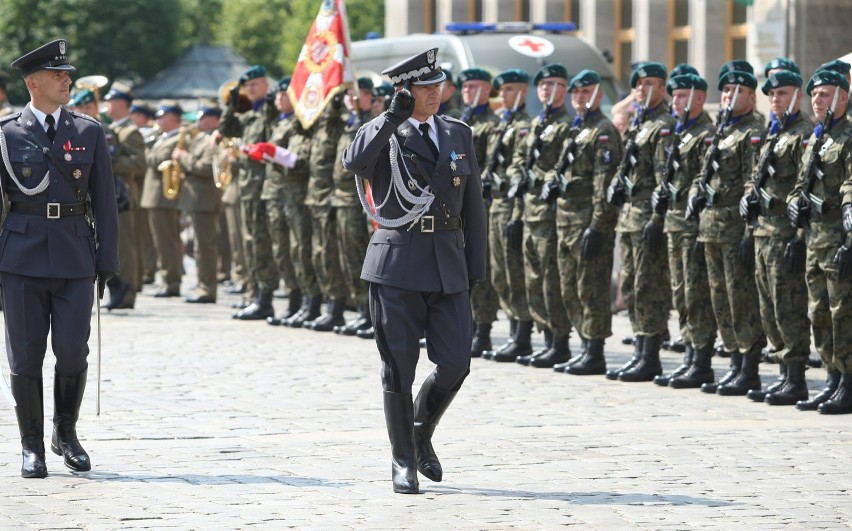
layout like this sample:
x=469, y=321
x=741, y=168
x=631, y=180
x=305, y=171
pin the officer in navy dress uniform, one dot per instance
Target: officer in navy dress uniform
x=56, y=173
x=425, y=258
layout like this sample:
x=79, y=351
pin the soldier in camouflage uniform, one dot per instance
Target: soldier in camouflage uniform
x=829, y=255
x=780, y=247
x=252, y=127
x=728, y=241
x=352, y=234
x=475, y=86
x=450, y=98
x=531, y=162
x=585, y=222
x=644, y=274
x=506, y=257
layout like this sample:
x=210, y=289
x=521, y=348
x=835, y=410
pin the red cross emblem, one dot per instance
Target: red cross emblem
x=531, y=45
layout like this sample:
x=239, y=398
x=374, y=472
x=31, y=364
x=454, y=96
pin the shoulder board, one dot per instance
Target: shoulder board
x=454, y=120
x=756, y=140
x=76, y=114
x=665, y=132
x=10, y=117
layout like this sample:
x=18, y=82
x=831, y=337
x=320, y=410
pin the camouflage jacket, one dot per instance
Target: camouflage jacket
x=692, y=145
x=288, y=133
x=327, y=133
x=501, y=144
x=250, y=127
x=345, y=192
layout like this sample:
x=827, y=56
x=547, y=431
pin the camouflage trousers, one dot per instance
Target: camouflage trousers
x=507, y=265
x=691, y=294
x=542, y=277
x=830, y=309
x=352, y=240
x=733, y=287
x=644, y=285
x=324, y=252
x=261, y=264
x=783, y=301
x=585, y=284
x=485, y=301
x=280, y=233
x=298, y=218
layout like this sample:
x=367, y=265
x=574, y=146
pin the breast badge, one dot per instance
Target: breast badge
x=77, y=173
x=456, y=181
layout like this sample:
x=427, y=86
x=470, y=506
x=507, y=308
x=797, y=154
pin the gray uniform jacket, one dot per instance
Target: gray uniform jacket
x=441, y=261
x=33, y=245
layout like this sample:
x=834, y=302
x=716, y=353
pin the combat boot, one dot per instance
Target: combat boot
x=735, y=365
x=548, y=344
x=676, y=345
x=840, y=402
x=795, y=387
x=259, y=309
x=688, y=355
x=67, y=397
x=333, y=317
x=481, y=340
x=759, y=395
x=584, y=351
x=359, y=323
x=560, y=353
x=698, y=374
x=429, y=407
x=294, y=301
x=513, y=331
x=399, y=418
x=121, y=294
x=29, y=409
x=592, y=362
x=832, y=380
x=648, y=365
x=748, y=377
x=638, y=343
x=308, y=313
x=521, y=346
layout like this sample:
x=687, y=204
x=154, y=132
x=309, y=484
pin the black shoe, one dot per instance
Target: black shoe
x=613, y=374
x=648, y=365
x=559, y=353
x=200, y=299
x=736, y=364
x=481, y=340
x=688, y=354
x=29, y=409
x=759, y=395
x=310, y=310
x=628, y=340
x=332, y=318
x=676, y=345
x=236, y=289
x=67, y=396
x=840, y=402
x=548, y=344
x=832, y=381
x=519, y=347
x=815, y=362
x=367, y=333
x=165, y=293
x=256, y=311
x=748, y=378
x=399, y=418
x=795, y=387
x=592, y=362
x=699, y=373
x=294, y=301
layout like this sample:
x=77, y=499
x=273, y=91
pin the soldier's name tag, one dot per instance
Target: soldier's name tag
x=583, y=134
x=686, y=138
x=779, y=145
x=828, y=143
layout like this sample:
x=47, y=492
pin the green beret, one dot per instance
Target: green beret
x=584, y=78
x=682, y=69
x=737, y=77
x=473, y=74
x=554, y=70
x=649, y=69
x=841, y=67
x=737, y=65
x=83, y=97
x=686, y=81
x=365, y=83
x=253, y=72
x=513, y=75
x=284, y=84
x=385, y=90
x=781, y=63
x=781, y=78
x=827, y=77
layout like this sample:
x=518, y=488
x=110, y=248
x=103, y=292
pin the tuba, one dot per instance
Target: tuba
x=172, y=174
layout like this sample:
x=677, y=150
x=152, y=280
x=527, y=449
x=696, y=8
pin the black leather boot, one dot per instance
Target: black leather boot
x=699, y=373
x=359, y=323
x=259, y=309
x=367, y=333
x=294, y=303
x=481, y=340
x=795, y=387
x=399, y=418
x=120, y=293
x=308, y=313
x=548, y=344
x=592, y=362
x=840, y=402
x=748, y=377
x=333, y=317
x=67, y=397
x=676, y=345
x=648, y=365
x=638, y=342
x=735, y=365
x=832, y=380
x=429, y=407
x=560, y=353
x=759, y=395
x=688, y=354
x=521, y=346
x=513, y=331
x=29, y=397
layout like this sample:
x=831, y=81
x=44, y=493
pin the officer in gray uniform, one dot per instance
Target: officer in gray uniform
x=59, y=199
x=425, y=258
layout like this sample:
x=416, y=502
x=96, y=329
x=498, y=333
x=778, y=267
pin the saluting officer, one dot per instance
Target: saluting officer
x=48, y=257
x=424, y=259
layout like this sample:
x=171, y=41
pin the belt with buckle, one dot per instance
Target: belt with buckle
x=49, y=210
x=431, y=224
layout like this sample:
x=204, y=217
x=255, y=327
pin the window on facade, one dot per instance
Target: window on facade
x=679, y=33
x=736, y=18
x=624, y=36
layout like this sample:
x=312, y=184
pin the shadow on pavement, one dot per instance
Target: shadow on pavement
x=199, y=479
x=588, y=498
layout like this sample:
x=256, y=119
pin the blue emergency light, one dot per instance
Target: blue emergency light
x=510, y=27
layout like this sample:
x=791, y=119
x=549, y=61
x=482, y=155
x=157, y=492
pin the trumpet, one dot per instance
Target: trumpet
x=226, y=153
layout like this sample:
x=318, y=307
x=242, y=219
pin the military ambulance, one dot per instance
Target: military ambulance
x=495, y=47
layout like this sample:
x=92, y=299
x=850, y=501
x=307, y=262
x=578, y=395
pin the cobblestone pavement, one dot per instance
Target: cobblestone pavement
x=212, y=423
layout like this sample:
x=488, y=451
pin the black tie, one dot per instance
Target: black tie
x=51, y=131
x=424, y=129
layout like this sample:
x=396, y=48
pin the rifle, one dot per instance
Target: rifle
x=812, y=172
x=529, y=179
x=468, y=111
x=617, y=194
x=711, y=165
x=760, y=200
x=668, y=191
x=567, y=157
x=490, y=177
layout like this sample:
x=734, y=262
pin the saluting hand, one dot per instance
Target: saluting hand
x=401, y=107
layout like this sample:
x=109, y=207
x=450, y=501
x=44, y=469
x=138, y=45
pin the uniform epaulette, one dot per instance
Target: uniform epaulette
x=9, y=117
x=76, y=114
x=454, y=120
